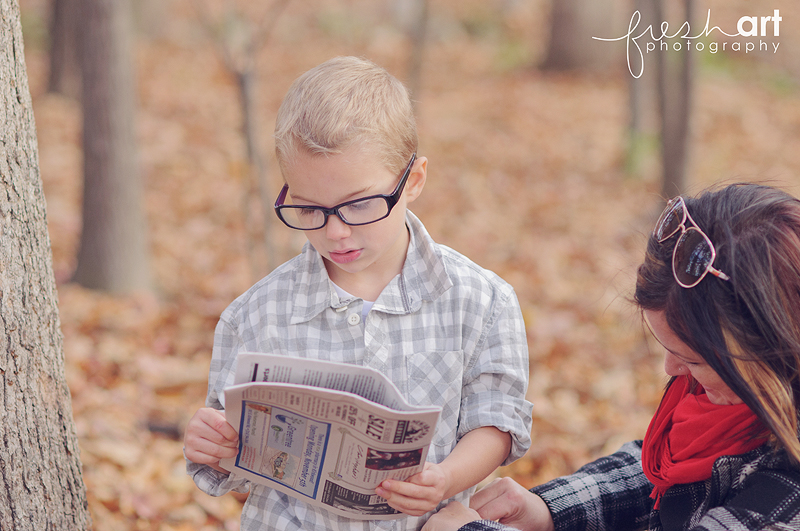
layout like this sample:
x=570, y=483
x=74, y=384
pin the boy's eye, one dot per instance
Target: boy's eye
x=306, y=212
x=361, y=205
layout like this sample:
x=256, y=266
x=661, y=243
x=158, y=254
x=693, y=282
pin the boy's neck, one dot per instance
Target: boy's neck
x=368, y=284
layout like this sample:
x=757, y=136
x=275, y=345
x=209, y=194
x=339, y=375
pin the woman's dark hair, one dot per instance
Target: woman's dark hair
x=747, y=329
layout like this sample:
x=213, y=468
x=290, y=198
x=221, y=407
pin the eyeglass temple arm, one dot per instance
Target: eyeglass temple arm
x=282, y=196
x=717, y=273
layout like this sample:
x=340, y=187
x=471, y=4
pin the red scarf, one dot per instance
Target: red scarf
x=688, y=433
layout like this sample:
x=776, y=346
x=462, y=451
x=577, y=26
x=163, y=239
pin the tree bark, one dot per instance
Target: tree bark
x=113, y=252
x=40, y=471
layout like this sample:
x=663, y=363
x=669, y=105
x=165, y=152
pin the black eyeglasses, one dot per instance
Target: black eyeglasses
x=361, y=211
x=694, y=253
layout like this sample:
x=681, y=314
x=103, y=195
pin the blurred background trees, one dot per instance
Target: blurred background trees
x=675, y=81
x=240, y=34
x=572, y=25
x=113, y=252
x=64, y=76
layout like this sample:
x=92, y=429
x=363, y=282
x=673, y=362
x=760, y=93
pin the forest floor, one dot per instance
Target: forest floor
x=528, y=176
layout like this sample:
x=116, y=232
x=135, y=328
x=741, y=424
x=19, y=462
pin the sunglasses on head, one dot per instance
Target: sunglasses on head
x=694, y=253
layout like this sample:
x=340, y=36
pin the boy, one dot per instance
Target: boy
x=371, y=288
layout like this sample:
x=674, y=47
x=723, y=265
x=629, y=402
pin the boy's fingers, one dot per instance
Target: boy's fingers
x=216, y=420
x=404, y=488
x=210, y=438
x=412, y=506
x=203, y=446
x=203, y=458
x=210, y=424
x=213, y=437
x=406, y=497
x=421, y=479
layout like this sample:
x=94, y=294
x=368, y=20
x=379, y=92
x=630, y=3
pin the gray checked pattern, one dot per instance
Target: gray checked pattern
x=445, y=331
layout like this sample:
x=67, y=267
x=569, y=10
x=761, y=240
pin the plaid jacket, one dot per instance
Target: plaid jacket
x=759, y=490
x=446, y=331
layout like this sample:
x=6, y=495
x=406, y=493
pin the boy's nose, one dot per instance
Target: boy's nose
x=336, y=229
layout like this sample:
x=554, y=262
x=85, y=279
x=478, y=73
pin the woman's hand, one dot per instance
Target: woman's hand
x=507, y=502
x=451, y=518
x=209, y=438
x=503, y=500
x=418, y=494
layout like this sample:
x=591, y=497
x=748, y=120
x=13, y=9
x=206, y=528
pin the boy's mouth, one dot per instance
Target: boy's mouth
x=344, y=257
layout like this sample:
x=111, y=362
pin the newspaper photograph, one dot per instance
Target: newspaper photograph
x=323, y=432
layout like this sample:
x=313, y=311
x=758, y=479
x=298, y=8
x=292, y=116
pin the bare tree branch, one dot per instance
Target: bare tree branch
x=238, y=44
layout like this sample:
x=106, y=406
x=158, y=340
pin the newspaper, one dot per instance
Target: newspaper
x=326, y=433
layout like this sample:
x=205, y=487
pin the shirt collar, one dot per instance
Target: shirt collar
x=424, y=277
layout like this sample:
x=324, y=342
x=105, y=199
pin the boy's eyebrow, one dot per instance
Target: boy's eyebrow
x=346, y=199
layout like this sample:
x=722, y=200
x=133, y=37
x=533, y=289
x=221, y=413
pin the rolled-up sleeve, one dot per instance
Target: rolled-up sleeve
x=226, y=345
x=496, y=380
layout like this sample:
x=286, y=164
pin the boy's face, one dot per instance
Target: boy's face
x=365, y=256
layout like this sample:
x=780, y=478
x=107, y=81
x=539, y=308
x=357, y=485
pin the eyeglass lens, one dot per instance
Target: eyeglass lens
x=692, y=257
x=670, y=221
x=355, y=213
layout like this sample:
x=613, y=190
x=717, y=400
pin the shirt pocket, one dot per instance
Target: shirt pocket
x=434, y=379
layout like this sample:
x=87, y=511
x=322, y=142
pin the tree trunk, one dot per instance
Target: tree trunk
x=573, y=23
x=64, y=77
x=642, y=98
x=676, y=82
x=258, y=177
x=113, y=252
x=41, y=486
x=419, y=40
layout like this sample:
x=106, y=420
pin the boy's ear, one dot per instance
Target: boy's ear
x=416, y=179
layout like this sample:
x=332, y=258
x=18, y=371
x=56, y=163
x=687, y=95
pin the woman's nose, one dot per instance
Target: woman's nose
x=673, y=366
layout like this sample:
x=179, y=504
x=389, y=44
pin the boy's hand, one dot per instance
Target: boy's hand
x=418, y=494
x=209, y=438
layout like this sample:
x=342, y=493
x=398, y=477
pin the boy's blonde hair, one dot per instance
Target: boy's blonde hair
x=342, y=102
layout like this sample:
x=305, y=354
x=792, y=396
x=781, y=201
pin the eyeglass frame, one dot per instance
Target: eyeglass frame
x=683, y=230
x=391, y=200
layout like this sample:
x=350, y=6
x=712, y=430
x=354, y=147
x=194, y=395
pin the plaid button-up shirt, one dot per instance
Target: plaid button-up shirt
x=445, y=331
x=756, y=491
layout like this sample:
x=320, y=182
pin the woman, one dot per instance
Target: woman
x=720, y=290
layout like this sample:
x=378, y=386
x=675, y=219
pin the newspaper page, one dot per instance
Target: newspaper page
x=326, y=433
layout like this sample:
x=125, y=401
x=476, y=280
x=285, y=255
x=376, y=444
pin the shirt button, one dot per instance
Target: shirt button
x=353, y=319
